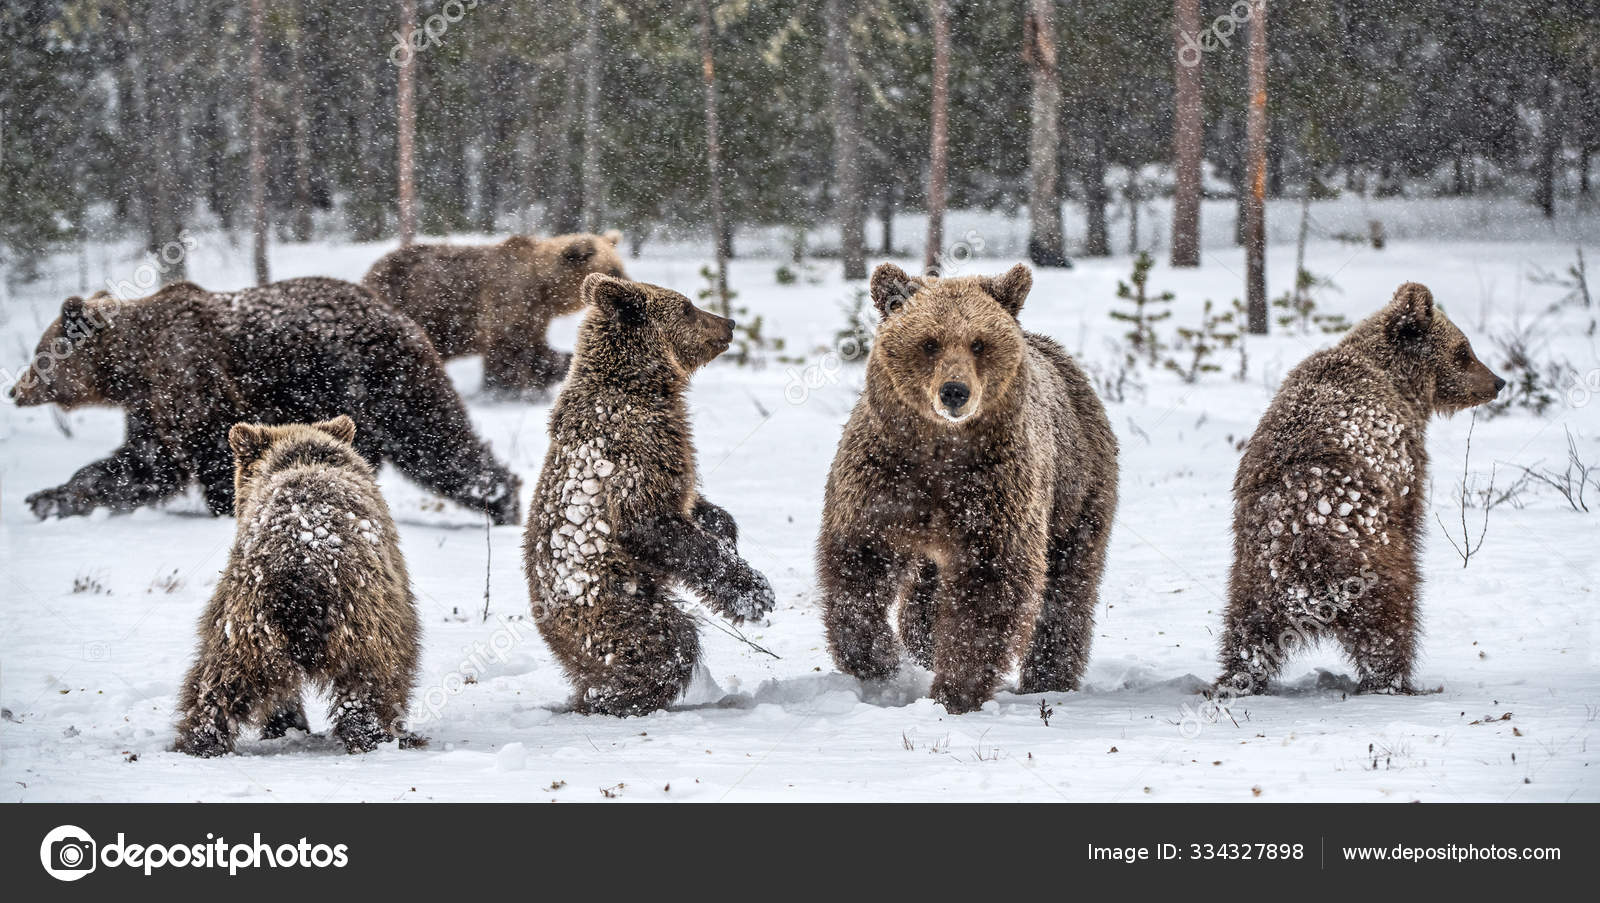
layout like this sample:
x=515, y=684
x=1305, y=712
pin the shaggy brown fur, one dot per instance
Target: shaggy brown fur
x=315, y=590
x=497, y=300
x=973, y=490
x=1328, y=505
x=617, y=519
x=186, y=364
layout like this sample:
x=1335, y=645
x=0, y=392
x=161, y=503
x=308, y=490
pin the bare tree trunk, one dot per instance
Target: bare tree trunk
x=258, y=154
x=850, y=200
x=939, y=150
x=1132, y=194
x=886, y=220
x=302, y=132
x=1256, y=145
x=1549, y=150
x=592, y=188
x=568, y=216
x=406, y=127
x=1045, y=238
x=1096, y=242
x=163, y=123
x=1188, y=137
x=708, y=73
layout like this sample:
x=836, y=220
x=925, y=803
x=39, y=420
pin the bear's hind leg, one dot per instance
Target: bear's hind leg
x=1059, y=651
x=1379, y=633
x=219, y=697
x=287, y=713
x=918, y=607
x=638, y=658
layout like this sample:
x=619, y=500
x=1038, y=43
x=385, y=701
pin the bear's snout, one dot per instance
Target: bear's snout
x=953, y=395
x=1499, y=383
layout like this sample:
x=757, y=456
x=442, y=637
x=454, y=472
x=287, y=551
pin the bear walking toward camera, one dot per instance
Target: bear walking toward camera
x=973, y=491
x=617, y=521
x=497, y=300
x=185, y=364
x=315, y=590
x=1328, y=506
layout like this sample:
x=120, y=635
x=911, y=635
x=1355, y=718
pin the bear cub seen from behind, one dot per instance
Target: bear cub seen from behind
x=1328, y=499
x=972, y=493
x=315, y=590
x=617, y=521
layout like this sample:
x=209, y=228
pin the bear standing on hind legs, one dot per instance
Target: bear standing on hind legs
x=617, y=522
x=1328, y=499
x=315, y=590
x=973, y=493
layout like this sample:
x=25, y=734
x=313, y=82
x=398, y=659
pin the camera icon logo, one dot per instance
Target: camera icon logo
x=67, y=853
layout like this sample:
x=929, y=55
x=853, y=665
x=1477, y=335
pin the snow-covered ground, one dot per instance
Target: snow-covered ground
x=98, y=613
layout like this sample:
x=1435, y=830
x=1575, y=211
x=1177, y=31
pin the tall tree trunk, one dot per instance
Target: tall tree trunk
x=164, y=123
x=1583, y=169
x=708, y=73
x=1549, y=150
x=301, y=224
x=886, y=219
x=1045, y=238
x=1132, y=192
x=850, y=200
x=1256, y=144
x=258, y=151
x=568, y=214
x=939, y=143
x=406, y=129
x=1188, y=138
x=592, y=189
x=1096, y=241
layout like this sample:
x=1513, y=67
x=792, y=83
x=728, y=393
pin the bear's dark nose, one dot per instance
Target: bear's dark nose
x=1498, y=385
x=953, y=395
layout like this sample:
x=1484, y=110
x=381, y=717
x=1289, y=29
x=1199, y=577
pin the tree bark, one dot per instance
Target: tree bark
x=592, y=188
x=1256, y=145
x=406, y=129
x=302, y=131
x=1188, y=137
x=850, y=200
x=568, y=216
x=163, y=72
x=1096, y=241
x=1549, y=150
x=939, y=149
x=1045, y=238
x=258, y=153
x=708, y=74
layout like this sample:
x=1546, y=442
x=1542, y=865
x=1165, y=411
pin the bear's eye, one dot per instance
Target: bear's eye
x=977, y=346
x=930, y=347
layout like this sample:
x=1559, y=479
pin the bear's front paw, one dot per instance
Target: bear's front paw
x=748, y=596
x=203, y=744
x=957, y=699
x=62, y=501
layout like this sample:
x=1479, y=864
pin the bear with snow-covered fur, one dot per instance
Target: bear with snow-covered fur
x=186, y=364
x=617, y=522
x=1329, y=497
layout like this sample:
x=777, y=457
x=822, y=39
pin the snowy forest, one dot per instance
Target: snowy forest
x=1167, y=207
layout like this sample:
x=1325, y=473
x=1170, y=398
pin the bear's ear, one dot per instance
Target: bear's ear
x=616, y=298
x=614, y=236
x=248, y=441
x=75, y=318
x=578, y=251
x=1411, y=311
x=891, y=288
x=341, y=428
x=1012, y=288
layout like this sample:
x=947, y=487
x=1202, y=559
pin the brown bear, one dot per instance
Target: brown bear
x=973, y=492
x=617, y=521
x=315, y=590
x=497, y=300
x=186, y=364
x=1328, y=499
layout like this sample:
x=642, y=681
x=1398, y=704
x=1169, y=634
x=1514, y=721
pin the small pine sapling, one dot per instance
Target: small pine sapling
x=1203, y=344
x=750, y=344
x=1300, y=313
x=1148, y=310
